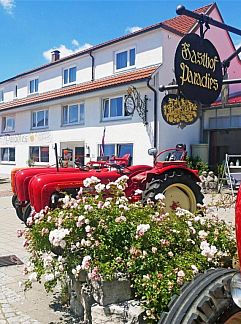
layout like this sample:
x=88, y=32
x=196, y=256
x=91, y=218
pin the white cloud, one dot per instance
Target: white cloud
x=7, y=5
x=64, y=51
x=132, y=29
x=75, y=42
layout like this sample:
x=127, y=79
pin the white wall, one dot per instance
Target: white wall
x=148, y=52
x=129, y=130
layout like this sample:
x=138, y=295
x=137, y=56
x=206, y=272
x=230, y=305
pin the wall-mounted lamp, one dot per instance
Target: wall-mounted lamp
x=87, y=154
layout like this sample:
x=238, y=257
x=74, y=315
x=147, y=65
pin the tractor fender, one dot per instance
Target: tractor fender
x=23, y=177
x=146, y=176
x=42, y=186
x=155, y=172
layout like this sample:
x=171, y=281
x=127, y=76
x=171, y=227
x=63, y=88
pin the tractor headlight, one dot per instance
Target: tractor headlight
x=235, y=287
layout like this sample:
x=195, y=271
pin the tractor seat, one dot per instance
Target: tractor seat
x=122, y=161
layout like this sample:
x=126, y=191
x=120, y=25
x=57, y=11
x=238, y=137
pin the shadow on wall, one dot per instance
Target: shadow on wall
x=150, y=133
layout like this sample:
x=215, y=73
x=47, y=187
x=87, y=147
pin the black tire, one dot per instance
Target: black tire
x=14, y=198
x=18, y=208
x=26, y=214
x=205, y=300
x=161, y=184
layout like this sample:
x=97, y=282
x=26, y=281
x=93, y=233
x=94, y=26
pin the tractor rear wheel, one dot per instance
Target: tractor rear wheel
x=180, y=190
x=205, y=300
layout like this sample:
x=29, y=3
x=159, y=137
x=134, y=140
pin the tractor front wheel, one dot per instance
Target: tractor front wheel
x=180, y=190
x=206, y=299
x=26, y=214
x=17, y=206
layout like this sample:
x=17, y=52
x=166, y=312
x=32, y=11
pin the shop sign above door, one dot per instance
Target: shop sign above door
x=176, y=110
x=198, y=69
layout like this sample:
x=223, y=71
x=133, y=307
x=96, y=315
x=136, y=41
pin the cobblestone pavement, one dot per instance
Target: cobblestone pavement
x=17, y=306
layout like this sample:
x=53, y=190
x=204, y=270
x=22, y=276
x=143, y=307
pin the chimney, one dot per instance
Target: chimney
x=55, y=55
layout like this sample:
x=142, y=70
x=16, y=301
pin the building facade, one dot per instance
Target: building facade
x=77, y=102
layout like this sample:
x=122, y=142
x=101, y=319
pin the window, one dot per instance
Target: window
x=1, y=96
x=73, y=114
x=33, y=86
x=39, y=153
x=16, y=91
x=79, y=153
x=8, y=154
x=119, y=150
x=8, y=124
x=40, y=118
x=109, y=150
x=223, y=122
x=125, y=59
x=69, y=75
x=113, y=108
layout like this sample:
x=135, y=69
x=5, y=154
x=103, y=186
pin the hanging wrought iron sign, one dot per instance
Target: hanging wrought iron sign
x=133, y=101
x=198, y=69
x=176, y=110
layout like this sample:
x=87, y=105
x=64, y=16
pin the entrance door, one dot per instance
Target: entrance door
x=80, y=155
x=222, y=142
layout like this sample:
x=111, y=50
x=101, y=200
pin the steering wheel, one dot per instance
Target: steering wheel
x=84, y=167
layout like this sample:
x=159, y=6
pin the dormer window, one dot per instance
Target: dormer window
x=1, y=96
x=16, y=91
x=33, y=86
x=125, y=59
x=69, y=76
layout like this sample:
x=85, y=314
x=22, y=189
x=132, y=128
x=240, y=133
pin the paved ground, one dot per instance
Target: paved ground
x=17, y=306
x=35, y=306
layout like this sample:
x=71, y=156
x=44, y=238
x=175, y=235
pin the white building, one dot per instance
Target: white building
x=71, y=100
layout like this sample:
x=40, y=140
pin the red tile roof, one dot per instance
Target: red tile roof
x=179, y=25
x=113, y=81
x=231, y=101
x=185, y=24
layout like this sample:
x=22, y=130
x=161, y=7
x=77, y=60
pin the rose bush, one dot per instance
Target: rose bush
x=104, y=234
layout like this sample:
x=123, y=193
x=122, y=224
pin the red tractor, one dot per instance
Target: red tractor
x=20, y=178
x=212, y=297
x=170, y=176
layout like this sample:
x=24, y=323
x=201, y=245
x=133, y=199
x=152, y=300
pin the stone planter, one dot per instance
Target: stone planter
x=111, y=292
x=129, y=312
x=108, y=302
x=80, y=296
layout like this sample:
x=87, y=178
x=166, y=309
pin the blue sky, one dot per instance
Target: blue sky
x=30, y=29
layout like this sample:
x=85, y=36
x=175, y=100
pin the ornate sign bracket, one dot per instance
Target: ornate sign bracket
x=134, y=101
